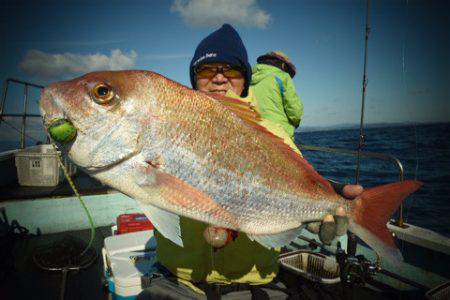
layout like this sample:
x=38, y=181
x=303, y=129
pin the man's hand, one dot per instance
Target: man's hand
x=351, y=191
x=333, y=226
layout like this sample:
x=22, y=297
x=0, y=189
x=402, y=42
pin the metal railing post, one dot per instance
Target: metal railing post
x=5, y=91
x=24, y=116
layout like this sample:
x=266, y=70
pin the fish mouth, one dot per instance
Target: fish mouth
x=50, y=109
x=58, y=126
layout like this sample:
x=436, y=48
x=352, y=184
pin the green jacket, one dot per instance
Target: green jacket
x=283, y=108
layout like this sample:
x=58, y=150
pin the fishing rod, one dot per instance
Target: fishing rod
x=351, y=245
x=363, y=98
x=350, y=260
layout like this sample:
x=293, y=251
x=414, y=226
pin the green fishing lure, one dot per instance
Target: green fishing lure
x=62, y=131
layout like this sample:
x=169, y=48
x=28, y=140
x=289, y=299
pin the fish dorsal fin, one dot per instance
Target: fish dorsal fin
x=243, y=110
x=250, y=116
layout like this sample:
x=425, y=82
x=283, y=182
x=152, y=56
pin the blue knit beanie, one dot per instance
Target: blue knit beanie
x=222, y=46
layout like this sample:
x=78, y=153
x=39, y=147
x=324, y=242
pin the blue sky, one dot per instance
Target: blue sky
x=408, y=64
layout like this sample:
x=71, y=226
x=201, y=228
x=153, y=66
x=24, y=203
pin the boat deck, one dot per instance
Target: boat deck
x=22, y=279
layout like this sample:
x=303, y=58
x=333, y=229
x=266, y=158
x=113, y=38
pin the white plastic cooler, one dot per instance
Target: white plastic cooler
x=38, y=166
x=129, y=259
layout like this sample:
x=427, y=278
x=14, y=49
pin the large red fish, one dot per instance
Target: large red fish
x=182, y=152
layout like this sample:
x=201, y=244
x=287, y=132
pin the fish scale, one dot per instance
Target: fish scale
x=252, y=209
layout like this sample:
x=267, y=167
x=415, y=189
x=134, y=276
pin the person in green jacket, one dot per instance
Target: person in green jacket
x=274, y=90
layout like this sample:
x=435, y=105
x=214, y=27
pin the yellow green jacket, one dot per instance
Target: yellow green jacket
x=241, y=261
x=276, y=97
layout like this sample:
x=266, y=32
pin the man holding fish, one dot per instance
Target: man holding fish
x=226, y=258
x=224, y=188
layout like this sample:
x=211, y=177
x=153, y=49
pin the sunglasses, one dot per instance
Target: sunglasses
x=208, y=71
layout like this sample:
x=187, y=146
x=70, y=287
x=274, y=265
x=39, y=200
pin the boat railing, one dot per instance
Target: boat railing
x=25, y=113
x=367, y=154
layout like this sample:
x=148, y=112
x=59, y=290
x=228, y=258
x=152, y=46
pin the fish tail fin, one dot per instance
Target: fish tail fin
x=372, y=210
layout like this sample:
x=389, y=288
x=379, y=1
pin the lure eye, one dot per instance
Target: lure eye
x=102, y=93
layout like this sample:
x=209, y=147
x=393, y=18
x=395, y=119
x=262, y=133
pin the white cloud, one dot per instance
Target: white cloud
x=55, y=66
x=166, y=56
x=73, y=43
x=217, y=12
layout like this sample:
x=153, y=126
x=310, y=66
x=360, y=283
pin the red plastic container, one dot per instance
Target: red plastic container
x=127, y=223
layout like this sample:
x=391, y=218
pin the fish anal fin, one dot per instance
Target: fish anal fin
x=277, y=240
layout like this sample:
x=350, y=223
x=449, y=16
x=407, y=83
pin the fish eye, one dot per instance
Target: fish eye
x=102, y=93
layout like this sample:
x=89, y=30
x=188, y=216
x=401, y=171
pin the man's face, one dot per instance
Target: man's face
x=218, y=78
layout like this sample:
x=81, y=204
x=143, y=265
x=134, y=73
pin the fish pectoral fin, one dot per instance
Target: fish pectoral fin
x=277, y=240
x=179, y=197
x=167, y=223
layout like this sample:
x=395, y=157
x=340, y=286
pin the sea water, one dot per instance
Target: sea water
x=424, y=151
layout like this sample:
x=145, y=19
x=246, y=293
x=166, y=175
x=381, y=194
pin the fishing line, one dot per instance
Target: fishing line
x=416, y=170
x=77, y=194
x=213, y=267
x=405, y=89
x=69, y=180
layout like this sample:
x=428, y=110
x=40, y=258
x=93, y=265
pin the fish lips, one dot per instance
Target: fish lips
x=51, y=112
x=50, y=109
